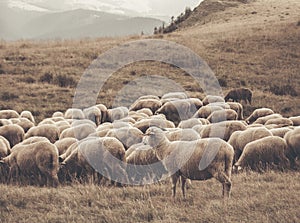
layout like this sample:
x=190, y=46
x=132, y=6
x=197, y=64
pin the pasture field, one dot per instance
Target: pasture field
x=267, y=197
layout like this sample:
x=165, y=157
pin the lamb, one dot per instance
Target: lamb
x=36, y=163
x=212, y=99
x=222, y=130
x=7, y=114
x=103, y=155
x=222, y=115
x=257, y=113
x=63, y=144
x=240, y=139
x=238, y=107
x=13, y=133
x=196, y=160
x=93, y=114
x=127, y=136
x=143, y=164
x=28, y=115
x=262, y=152
x=239, y=94
x=152, y=104
x=293, y=141
x=49, y=131
x=179, y=110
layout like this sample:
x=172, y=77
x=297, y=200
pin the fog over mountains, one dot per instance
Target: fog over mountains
x=43, y=19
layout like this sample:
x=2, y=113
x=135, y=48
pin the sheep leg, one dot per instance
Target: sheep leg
x=183, y=181
x=174, y=179
x=226, y=183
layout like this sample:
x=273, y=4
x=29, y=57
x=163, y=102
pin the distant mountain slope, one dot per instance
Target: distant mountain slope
x=16, y=24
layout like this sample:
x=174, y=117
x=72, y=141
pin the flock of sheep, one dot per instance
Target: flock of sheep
x=172, y=135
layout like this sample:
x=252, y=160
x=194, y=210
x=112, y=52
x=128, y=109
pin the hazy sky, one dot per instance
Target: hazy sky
x=147, y=7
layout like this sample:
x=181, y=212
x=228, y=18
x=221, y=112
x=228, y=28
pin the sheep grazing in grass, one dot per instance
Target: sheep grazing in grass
x=208, y=99
x=257, y=113
x=222, y=115
x=7, y=114
x=118, y=113
x=205, y=111
x=239, y=94
x=197, y=160
x=152, y=104
x=143, y=164
x=280, y=131
x=238, y=107
x=222, y=130
x=177, y=95
x=93, y=114
x=28, y=115
x=127, y=136
x=295, y=120
x=74, y=113
x=49, y=131
x=13, y=133
x=190, y=123
x=78, y=131
x=293, y=141
x=63, y=144
x=58, y=114
x=35, y=163
x=262, y=153
x=279, y=122
x=144, y=124
x=240, y=139
x=23, y=122
x=182, y=135
x=179, y=110
x=4, y=151
x=102, y=155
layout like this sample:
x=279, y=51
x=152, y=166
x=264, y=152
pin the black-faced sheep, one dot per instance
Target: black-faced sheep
x=222, y=130
x=240, y=139
x=257, y=113
x=13, y=133
x=262, y=152
x=239, y=94
x=197, y=160
x=51, y=132
x=34, y=163
x=222, y=115
x=293, y=141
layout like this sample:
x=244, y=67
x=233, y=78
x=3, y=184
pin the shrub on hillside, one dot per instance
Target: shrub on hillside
x=64, y=81
x=7, y=96
x=287, y=89
x=46, y=78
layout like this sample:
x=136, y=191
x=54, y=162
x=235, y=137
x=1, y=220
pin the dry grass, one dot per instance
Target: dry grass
x=268, y=197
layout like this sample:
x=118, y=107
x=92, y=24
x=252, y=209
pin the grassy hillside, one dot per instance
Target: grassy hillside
x=268, y=197
x=250, y=44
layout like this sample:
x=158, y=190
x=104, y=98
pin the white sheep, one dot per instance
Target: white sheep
x=262, y=152
x=257, y=113
x=238, y=107
x=222, y=115
x=182, y=135
x=13, y=133
x=295, y=120
x=208, y=99
x=49, y=131
x=78, y=131
x=74, y=113
x=293, y=141
x=152, y=104
x=196, y=160
x=28, y=115
x=239, y=139
x=7, y=114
